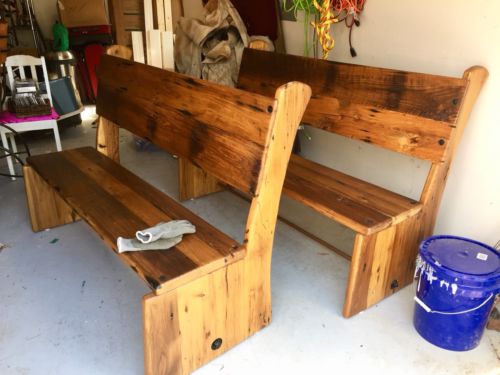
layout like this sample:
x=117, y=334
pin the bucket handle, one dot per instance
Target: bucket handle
x=429, y=310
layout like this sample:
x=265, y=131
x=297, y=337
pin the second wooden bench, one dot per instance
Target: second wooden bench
x=415, y=114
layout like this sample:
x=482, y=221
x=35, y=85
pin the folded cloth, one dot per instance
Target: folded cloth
x=170, y=229
x=127, y=244
x=162, y=236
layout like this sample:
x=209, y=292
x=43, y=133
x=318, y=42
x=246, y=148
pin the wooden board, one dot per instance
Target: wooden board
x=126, y=16
x=153, y=48
x=359, y=205
x=191, y=118
x=45, y=207
x=115, y=202
x=167, y=50
x=180, y=327
x=382, y=264
x=108, y=138
x=194, y=182
x=411, y=113
x=148, y=15
x=138, y=47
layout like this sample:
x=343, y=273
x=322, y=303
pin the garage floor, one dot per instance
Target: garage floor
x=69, y=306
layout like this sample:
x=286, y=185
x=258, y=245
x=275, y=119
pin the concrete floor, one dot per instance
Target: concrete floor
x=69, y=306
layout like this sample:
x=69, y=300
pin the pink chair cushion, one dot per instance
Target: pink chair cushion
x=10, y=118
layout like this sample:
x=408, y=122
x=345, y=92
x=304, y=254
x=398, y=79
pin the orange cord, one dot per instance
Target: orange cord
x=327, y=17
x=349, y=6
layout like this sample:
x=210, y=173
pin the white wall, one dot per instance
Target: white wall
x=440, y=37
x=46, y=15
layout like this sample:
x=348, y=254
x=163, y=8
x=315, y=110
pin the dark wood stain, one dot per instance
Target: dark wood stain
x=169, y=116
x=80, y=174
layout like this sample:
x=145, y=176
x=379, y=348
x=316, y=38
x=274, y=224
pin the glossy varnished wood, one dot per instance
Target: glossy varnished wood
x=410, y=113
x=45, y=206
x=219, y=129
x=209, y=292
x=416, y=114
x=195, y=182
x=357, y=204
x=115, y=202
x=108, y=139
x=233, y=302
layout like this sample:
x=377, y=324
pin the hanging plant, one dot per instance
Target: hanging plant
x=306, y=6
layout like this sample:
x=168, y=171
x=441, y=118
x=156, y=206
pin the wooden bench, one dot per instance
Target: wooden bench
x=419, y=115
x=209, y=292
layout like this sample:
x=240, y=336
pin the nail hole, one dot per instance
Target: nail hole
x=217, y=344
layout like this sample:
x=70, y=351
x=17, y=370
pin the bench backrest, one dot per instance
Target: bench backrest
x=242, y=138
x=221, y=130
x=410, y=113
x=416, y=114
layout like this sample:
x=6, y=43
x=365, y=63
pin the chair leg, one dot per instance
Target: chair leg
x=13, y=144
x=56, y=137
x=46, y=208
x=5, y=145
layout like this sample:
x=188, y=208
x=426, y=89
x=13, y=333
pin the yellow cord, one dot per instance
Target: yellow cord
x=327, y=18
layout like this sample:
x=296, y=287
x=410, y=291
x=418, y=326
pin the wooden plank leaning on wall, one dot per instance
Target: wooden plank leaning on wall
x=128, y=15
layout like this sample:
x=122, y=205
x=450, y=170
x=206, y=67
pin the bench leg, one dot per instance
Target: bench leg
x=46, y=208
x=382, y=263
x=194, y=182
x=187, y=327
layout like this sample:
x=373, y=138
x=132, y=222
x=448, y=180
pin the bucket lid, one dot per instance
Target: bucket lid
x=462, y=258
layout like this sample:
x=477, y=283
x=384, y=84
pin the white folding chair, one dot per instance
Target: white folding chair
x=18, y=65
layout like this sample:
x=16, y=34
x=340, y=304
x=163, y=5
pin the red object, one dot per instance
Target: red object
x=80, y=36
x=259, y=17
x=93, y=53
x=10, y=118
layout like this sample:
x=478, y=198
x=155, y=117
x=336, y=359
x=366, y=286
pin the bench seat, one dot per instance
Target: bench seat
x=359, y=205
x=115, y=202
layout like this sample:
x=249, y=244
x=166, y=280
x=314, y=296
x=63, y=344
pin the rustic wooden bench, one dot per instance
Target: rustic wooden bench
x=419, y=115
x=209, y=292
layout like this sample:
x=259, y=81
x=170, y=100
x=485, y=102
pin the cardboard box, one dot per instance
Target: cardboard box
x=78, y=13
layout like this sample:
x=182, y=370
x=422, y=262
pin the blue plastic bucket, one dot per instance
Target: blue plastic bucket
x=457, y=282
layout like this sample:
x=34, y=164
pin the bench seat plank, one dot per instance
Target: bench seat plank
x=115, y=202
x=359, y=205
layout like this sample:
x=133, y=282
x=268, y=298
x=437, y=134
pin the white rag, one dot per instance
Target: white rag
x=162, y=236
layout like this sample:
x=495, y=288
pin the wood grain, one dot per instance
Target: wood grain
x=420, y=115
x=108, y=139
x=126, y=16
x=436, y=180
x=359, y=205
x=45, y=207
x=292, y=100
x=219, y=129
x=115, y=202
x=162, y=336
x=208, y=288
x=233, y=302
x=382, y=263
x=195, y=182
x=181, y=326
x=411, y=113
